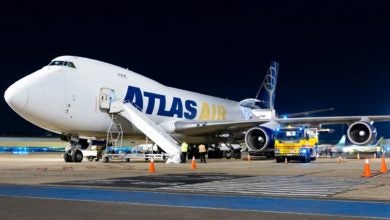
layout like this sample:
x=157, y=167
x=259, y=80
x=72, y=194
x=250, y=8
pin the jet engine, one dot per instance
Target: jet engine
x=259, y=138
x=361, y=133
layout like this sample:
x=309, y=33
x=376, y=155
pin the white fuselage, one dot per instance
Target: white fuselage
x=66, y=100
x=361, y=149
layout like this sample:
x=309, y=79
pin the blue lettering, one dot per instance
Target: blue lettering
x=134, y=96
x=151, y=100
x=161, y=108
x=191, y=110
x=177, y=107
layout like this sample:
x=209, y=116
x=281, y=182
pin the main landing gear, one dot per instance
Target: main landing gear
x=73, y=152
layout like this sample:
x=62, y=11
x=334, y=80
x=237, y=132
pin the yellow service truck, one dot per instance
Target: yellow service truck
x=296, y=143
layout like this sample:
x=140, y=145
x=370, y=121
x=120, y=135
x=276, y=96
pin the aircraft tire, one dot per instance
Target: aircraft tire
x=237, y=154
x=67, y=157
x=77, y=156
x=228, y=154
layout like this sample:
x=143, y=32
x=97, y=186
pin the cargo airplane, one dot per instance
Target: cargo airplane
x=84, y=99
x=345, y=147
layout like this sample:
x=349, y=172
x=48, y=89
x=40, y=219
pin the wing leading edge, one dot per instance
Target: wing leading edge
x=188, y=127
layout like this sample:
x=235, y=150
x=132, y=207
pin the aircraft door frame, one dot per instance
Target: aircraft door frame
x=106, y=96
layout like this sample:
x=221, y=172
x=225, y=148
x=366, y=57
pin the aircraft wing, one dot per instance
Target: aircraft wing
x=365, y=150
x=206, y=127
x=190, y=127
x=332, y=119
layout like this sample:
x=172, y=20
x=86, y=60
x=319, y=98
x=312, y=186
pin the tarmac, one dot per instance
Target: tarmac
x=230, y=189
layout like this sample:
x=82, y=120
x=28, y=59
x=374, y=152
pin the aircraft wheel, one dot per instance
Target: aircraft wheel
x=67, y=157
x=90, y=158
x=228, y=154
x=237, y=154
x=77, y=156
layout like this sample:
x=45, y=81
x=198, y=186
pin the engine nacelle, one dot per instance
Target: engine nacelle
x=361, y=133
x=259, y=138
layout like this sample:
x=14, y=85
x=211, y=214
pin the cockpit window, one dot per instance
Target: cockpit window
x=62, y=63
x=70, y=64
x=56, y=63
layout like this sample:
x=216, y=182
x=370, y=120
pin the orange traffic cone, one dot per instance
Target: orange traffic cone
x=366, y=171
x=383, y=165
x=249, y=157
x=193, y=164
x=339, y=159
x=358, y=156
x=151, y=166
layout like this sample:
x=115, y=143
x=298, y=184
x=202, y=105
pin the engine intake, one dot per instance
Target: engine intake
x=258, y=139
x=361, y=133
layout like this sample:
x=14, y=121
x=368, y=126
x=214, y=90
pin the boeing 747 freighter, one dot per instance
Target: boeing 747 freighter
x=83, y=99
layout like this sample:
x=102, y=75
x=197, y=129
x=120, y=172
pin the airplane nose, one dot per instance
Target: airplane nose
x=38, y=97
x=16, y=96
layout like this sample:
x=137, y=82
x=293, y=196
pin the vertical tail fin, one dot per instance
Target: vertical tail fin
x=342, y=141
x=380, y=142
x=266, y=93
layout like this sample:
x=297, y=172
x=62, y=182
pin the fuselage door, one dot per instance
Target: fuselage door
x=106, y=96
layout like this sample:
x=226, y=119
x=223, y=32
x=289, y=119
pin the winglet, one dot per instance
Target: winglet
x=266, y=93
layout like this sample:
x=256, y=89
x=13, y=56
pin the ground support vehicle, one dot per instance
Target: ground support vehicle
x=296, y=143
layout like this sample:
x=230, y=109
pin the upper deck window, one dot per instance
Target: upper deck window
x=62, y=63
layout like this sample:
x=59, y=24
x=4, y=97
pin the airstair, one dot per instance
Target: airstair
x=149, y=128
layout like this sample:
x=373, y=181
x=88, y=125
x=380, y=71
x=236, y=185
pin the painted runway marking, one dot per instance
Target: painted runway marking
x=262, y=204
x=273, y=186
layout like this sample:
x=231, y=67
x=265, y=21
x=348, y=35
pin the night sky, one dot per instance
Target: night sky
x=330, y=55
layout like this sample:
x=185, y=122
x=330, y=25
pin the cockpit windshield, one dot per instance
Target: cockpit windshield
x=62, y=63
